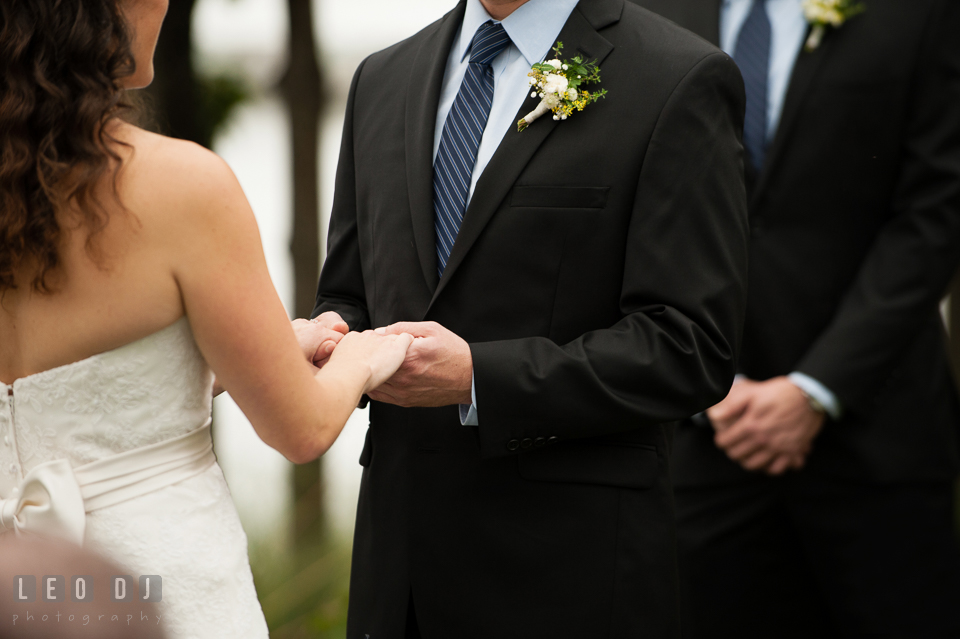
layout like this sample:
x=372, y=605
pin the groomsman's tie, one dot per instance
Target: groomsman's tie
x=453, y=168
x=752, y=55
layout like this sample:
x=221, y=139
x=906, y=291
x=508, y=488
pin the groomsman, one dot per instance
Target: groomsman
x=820, y=501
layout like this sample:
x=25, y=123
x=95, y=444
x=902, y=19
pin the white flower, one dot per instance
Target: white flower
x=556, y=117
x=533, y=95
x=533, y=81
x=556, y=64
x=571, y=94
x=565, y=67
x=552, y=100
x=555, y=83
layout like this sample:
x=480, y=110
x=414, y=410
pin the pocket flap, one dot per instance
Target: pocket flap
x=622, y=466
x=560, y=197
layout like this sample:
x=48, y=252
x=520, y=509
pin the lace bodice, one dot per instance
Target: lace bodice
x=141, y=393
x=147, y=392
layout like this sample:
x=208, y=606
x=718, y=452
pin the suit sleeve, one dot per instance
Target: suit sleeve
x=682, y=300
x=341, y=288
x=907, y=270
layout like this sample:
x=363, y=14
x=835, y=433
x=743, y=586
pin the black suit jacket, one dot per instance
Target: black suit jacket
x=599, y=280
x=855, y=233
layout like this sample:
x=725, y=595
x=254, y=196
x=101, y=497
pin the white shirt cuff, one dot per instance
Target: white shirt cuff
x=819, y=392
x=468, y=414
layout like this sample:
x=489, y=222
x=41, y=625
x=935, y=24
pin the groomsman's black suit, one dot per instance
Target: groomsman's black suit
x=855, y=234
x=599, y=280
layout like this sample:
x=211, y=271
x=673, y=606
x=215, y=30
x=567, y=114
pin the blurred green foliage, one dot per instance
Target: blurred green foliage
x=219, y=97
x=304, y=592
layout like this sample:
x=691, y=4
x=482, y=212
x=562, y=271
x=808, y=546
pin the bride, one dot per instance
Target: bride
x=131, y=271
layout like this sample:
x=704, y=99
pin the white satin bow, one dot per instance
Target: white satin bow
x=47, y=502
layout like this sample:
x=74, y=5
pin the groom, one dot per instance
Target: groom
x=576, y=288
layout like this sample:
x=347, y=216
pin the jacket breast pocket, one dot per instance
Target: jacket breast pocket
x=619, y=465
x=559, y=197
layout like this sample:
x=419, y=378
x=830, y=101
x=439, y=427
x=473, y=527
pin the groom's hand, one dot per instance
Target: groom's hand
x=438, y=369
x=766, y=426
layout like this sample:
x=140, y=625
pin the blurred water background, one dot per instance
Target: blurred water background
x=302, y=579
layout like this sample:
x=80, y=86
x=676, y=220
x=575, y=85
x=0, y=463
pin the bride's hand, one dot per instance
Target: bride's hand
x=382, y=353
x=317, y=340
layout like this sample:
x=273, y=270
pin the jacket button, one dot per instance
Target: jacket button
x=539, y=442
x=526, y=443
x=513, y=444
x=552, y=440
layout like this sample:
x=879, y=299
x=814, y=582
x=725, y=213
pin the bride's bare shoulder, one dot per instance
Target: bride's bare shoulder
x=175, y=179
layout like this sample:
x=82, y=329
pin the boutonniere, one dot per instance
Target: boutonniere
x=558, y=85
x=827, y=13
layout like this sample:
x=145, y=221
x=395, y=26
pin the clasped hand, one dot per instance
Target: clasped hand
x=319, y=337
x=766, y=426
x=437, y=369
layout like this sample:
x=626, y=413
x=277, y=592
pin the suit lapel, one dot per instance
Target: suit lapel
x=805, y=71
x=517, y=149
x=423, y=100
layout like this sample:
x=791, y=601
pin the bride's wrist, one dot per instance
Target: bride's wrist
x=356, y=375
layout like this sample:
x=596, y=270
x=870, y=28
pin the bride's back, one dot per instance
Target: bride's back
x=116, y=285
x=93, y=211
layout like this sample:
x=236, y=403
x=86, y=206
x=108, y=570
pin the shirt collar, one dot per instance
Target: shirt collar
x=533, y=27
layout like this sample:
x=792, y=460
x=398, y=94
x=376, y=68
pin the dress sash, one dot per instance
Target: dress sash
x=53, y=499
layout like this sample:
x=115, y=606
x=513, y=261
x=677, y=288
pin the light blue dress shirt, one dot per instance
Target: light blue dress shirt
x=533, y=29
x=789, y=30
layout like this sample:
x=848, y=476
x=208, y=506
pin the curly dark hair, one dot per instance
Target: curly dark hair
x=61, y=66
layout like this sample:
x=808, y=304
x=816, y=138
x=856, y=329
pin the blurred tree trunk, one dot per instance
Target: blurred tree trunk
x=953, y=326
x=302, y=87
x=181, y=105
x=953, y=330
x=176, y=93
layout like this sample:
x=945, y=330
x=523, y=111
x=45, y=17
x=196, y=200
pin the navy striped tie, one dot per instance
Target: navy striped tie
x=752, y=55
x=453, y=168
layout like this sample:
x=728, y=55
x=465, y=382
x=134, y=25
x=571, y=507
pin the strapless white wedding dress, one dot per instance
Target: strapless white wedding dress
x=130, y=429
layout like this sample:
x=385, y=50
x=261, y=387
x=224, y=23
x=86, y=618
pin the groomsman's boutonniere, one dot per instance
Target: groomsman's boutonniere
x=557, y=82
x=828, y=13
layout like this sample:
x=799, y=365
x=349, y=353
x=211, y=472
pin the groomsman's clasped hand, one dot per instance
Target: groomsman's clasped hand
x=766, y=426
